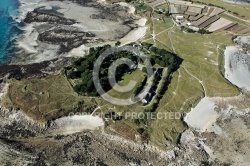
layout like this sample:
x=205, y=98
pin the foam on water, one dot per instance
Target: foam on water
x=8, y=27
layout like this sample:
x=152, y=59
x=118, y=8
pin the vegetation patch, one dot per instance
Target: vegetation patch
x=141, y=7
x=81, y=71
x=47, y=98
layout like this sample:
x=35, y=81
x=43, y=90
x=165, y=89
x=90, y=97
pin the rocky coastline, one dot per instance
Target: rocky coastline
x=33, y=143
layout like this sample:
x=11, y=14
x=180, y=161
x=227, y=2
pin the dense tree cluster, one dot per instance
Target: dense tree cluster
x=186, y=29
x=82, y=70
x=162, y=57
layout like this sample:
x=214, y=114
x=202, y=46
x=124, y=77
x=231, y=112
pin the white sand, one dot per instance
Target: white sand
x=203, y=116
x=105, y=29
x=141, y=21
x=237, y=67
x=36, y=51
x=80, y=51
x=134, y=35
x=77, y=123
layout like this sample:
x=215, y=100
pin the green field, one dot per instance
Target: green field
x=136, y=76
x=47, y=98
x=202, y=65
x=200, y=75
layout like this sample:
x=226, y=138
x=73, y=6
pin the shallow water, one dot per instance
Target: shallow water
x=8, y=27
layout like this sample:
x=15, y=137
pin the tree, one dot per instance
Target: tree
x=203, y=31
x=118, y=43
x=144, y=69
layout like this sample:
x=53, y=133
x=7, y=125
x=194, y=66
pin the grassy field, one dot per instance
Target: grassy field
x=162, y=24
x=202, y=60
x=201, y=74
x=242, y=10
x=47, y=98
x=136, y=76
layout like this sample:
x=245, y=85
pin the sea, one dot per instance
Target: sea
x=9, y=28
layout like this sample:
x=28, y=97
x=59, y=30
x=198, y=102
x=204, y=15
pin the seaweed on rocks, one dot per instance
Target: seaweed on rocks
x=67, y=39
x=38, y=16
x=19, y=72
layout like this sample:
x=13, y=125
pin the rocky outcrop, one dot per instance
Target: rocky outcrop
x=44, y=68
x=36, y=16
x=67, y=39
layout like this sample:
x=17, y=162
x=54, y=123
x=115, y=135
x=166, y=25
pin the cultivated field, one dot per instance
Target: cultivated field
x=222, y=22
x=241, y=9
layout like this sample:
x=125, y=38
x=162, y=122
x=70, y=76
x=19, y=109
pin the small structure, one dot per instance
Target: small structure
x=179, y=17
x=148, y=96
x=133, y=66
x=147, y=99
x=160, y=11
x=157, y=72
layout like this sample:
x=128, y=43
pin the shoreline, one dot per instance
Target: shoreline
x=29, y=44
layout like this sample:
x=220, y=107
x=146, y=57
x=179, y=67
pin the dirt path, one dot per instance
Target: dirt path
x=173, y=48
x=200, y=81
x=169, y=36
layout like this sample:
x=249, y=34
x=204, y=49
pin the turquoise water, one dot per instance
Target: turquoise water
x=8, y=28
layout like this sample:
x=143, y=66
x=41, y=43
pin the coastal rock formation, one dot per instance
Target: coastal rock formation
x=237, y=63
x=67, y=39
x=42, y=69
x=54, y=28
x=37, y=16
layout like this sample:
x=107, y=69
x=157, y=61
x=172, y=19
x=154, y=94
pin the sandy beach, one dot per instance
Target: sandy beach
x=87, y=20
x=76, y=123
x=203, y=116
x=134, y=35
